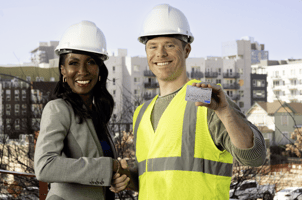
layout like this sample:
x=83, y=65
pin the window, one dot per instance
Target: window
x=8, y=95
x=23, y=95
x=293, y=92
x=230, y=93
x=24, y=123
x=292, y=72
x=277, y=93
x=113, y=69
x=218, y=81
x=219, y=71
x=136, y=79
x=17, y=109
x=17, y=124
x=8, y=121
x=113, y=81
x=275, y=83
x=135, y=91
x=284, y=120
x=241, y=104
x=28, y=78
x=114, y=92
x=293, y=82
x=52, y=79
x=136, y=68
x=17, y=96
x=37, y=78
x=261, y=83
x=283, y=72
x=7, y=112
x=241, y=93
x=259, y=93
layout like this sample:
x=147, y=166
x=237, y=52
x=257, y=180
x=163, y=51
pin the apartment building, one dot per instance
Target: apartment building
x=44, y=52
x=283, y=78
x=127, y=83
x=15, y=108
x=22, y=105
x=236, y=71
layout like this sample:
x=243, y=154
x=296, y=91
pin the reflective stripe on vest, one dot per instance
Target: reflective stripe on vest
x=186, y=162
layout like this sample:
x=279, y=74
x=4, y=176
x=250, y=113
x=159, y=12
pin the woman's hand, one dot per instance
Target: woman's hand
x=119, y=183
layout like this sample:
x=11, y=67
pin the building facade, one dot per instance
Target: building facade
x=283, y=78
x=258, y=88
x=44, y=52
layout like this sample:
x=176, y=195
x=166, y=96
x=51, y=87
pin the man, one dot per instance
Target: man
x=185, y=150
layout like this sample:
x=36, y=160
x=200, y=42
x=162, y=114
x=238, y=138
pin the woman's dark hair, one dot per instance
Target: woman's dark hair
x=102, y=98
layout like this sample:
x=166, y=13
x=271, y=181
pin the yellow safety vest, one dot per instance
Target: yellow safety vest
x=179, y=160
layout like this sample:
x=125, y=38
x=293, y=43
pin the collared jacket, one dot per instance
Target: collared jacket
x=70, y=157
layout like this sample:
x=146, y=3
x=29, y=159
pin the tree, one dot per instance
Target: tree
x=297, y=146
x=120, y=128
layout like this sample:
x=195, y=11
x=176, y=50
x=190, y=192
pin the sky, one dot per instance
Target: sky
x=276, y=24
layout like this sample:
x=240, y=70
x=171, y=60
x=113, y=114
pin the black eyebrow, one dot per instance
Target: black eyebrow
x=73, y=58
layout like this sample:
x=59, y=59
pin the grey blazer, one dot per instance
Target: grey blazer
x=70, y=157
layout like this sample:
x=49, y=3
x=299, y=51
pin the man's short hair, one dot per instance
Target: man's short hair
x=184, y=39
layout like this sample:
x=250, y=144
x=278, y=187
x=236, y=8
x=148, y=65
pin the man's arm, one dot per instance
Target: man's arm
x=253, y=156
x=232, y=131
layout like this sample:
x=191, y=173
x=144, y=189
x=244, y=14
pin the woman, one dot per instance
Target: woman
x=74, y=150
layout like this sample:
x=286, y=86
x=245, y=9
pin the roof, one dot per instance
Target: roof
x=295, y=108
x=270, y=107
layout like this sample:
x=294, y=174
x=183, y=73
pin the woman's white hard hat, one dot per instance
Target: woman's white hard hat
x=165, y=20
x=83, y=36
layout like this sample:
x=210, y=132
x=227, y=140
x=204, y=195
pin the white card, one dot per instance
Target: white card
x=198, y=94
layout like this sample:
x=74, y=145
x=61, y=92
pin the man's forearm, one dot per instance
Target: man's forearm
x=239, y=131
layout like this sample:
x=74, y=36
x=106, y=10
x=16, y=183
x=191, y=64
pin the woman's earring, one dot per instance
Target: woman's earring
x=64, y=79
x=99, y=78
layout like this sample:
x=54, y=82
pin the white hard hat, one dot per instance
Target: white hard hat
x=83, y=36
x=165, y=20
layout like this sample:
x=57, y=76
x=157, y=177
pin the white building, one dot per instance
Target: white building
x=284, y=79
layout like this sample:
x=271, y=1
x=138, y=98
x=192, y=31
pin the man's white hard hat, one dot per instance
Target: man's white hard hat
x=165, y=20
x=83, y=36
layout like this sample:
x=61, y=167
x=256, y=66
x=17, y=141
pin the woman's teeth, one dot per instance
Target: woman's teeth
x=83, y=82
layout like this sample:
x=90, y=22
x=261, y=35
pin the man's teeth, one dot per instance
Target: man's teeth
x=83, y=82
x=165, y=63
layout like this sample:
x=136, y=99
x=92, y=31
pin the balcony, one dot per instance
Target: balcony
x=231, y=86
x=151, y=85
x=231, y=75
x=196, y=75
x=148, y=73
x=211, y=74
x=148, y=96
x=235, y=97
x=276, y=77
